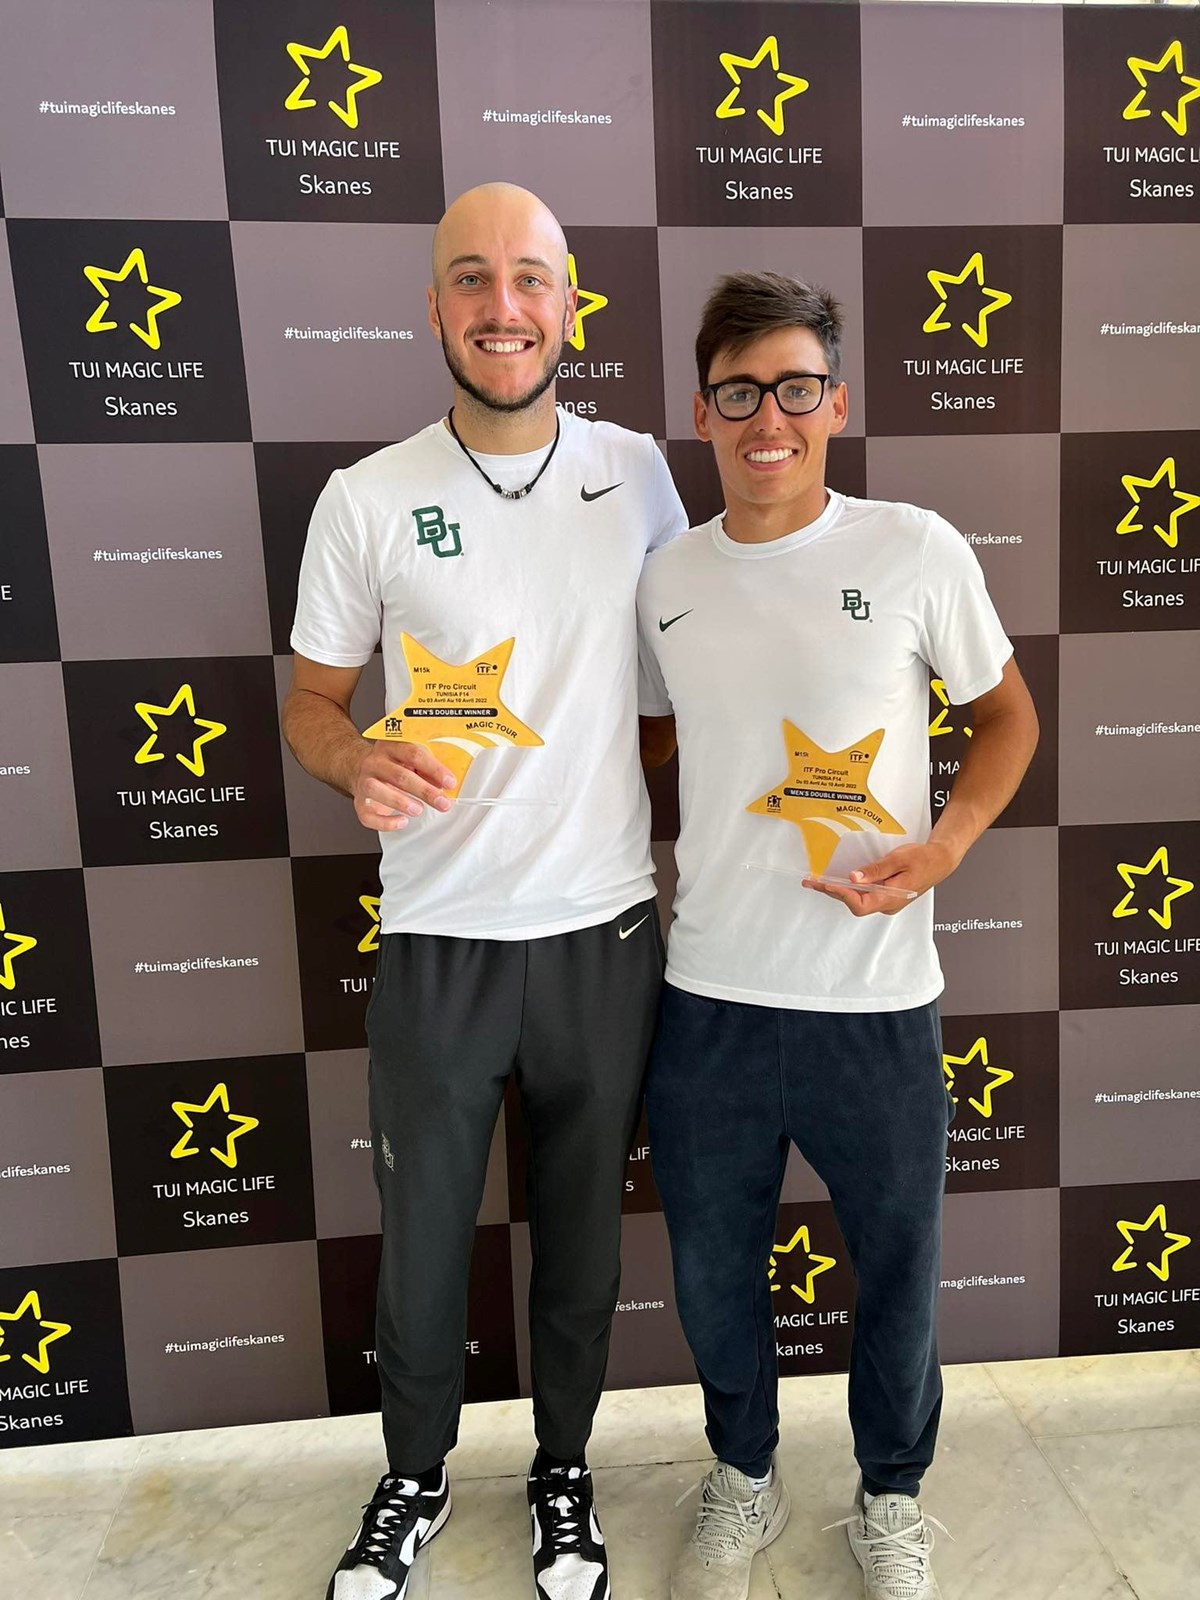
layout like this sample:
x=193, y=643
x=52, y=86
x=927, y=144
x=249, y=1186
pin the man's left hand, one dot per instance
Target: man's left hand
x=915, y=867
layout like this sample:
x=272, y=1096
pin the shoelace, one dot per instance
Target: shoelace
x=566, y=1504
x=723, y=1523
x=392, y=1504
x=900, y=1556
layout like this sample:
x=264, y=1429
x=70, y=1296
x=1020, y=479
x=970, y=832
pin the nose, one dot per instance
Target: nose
x=770, y=413
x=502, y=303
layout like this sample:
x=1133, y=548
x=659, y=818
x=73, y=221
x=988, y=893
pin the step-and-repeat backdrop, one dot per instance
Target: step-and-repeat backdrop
x=216, y=232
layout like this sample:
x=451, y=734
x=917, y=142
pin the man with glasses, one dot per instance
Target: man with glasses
x=792, y=638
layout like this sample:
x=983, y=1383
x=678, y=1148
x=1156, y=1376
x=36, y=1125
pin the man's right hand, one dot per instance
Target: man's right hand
x=397, y=780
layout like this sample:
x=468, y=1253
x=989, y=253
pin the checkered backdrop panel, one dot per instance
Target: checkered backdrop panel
x=213, y=256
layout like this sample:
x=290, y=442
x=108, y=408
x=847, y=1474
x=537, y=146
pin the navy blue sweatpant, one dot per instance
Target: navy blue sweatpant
x=863, y=1096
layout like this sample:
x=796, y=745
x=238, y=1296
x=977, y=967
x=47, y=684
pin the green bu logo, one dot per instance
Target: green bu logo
x=853, y=602
x=433, y=529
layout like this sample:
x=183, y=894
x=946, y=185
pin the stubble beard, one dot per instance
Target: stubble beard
x=493, y=402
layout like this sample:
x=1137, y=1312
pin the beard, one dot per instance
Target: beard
x=492, y=401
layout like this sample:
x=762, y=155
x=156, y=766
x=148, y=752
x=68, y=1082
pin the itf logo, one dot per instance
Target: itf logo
x=768, y=52
x=1162, y=1243
x=238, y=1125
x=1180, y=89
x=40, y=1332
x=148, y=713
x=810, y=1265
x=165, y=299
x=996, y=300
x=18, y=945
x=365, y=77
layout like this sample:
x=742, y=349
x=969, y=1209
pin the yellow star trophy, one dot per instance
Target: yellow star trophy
x=455, y=710
x=826, y=795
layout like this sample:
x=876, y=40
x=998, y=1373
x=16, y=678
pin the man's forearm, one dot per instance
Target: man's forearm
x=323, y=739
x=991, y=771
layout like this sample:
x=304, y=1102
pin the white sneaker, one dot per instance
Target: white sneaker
x=892, y=1543
x=734, y=1523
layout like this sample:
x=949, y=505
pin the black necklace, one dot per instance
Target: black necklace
x=506, y=494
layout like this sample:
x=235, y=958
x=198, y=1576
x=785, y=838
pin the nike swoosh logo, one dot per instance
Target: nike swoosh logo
x=584, y=495
x=625, y=932
x=663, y=626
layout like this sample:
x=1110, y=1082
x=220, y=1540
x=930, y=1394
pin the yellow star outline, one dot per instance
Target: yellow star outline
x=32, y=1306
x=446, y=706
x=940, y=724
x=1129, y=872
x=1172, y=56
x=792, y=86
x=219, y=1096
x=370, y=939
x=996, y=1075
x=974, y=269
x=825, y=793
x=302, y=54
x=1187, y=502
x=1127, y=1229
x=819, y=1265
x=22, y=943
x=147, y=712
x=134, y=262
x=586, y=304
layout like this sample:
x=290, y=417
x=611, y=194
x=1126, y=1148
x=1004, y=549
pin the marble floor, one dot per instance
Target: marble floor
x=1059, y=1480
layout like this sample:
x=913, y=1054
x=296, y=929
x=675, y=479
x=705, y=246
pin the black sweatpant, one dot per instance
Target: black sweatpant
x=572, y=1016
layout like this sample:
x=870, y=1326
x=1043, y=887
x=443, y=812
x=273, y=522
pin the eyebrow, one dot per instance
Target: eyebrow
x=748, y=377
x=481, y=261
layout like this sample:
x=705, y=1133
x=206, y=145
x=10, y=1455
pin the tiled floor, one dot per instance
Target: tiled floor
x=1059, y=1480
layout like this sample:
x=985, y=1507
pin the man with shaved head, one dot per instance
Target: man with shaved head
x=496, y=554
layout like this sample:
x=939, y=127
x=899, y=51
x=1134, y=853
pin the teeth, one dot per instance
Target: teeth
x=503, y=347
x=767, y=455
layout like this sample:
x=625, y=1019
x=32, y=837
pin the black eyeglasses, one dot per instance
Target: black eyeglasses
x=738, y=399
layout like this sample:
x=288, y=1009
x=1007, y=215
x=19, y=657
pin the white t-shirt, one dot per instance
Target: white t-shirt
x=412, y=540
x=833, y=628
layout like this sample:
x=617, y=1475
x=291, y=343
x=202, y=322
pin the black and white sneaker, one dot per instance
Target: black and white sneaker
x=401, y=1519
x=569, y=1558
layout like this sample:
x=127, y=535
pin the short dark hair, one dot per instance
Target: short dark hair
x=745, y=305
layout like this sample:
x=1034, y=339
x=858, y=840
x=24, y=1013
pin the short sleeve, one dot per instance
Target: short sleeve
x=962, y=638
x=337, y=605
x=653, y=699
x=667, y=518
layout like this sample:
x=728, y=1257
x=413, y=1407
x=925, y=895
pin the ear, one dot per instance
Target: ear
x=700, y=417
x=569, y=314
x=840, y=402
x=435, y=322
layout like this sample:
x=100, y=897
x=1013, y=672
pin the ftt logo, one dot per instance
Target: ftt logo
x=808, y=1265
x=237, y=1126
x=365, y=77
x=586, y=304
x=1182, y=89
x=941, y=723
x=953, y=1067
x=164, y=299
x=994, y=300
x=1161, y=1242
x=1171, y=888
x=768, y=55
x=370, y=939
x=433, y=529
x=40, y=1333
x=209, y=730
x=14, y=945
x=1168, y=529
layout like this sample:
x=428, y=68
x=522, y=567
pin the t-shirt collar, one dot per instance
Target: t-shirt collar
x=790, y=541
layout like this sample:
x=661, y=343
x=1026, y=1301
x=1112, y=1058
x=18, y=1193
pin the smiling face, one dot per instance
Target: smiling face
x=773, y=462
x=501, y=302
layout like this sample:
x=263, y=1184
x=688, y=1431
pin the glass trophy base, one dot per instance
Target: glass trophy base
x=837, y=883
